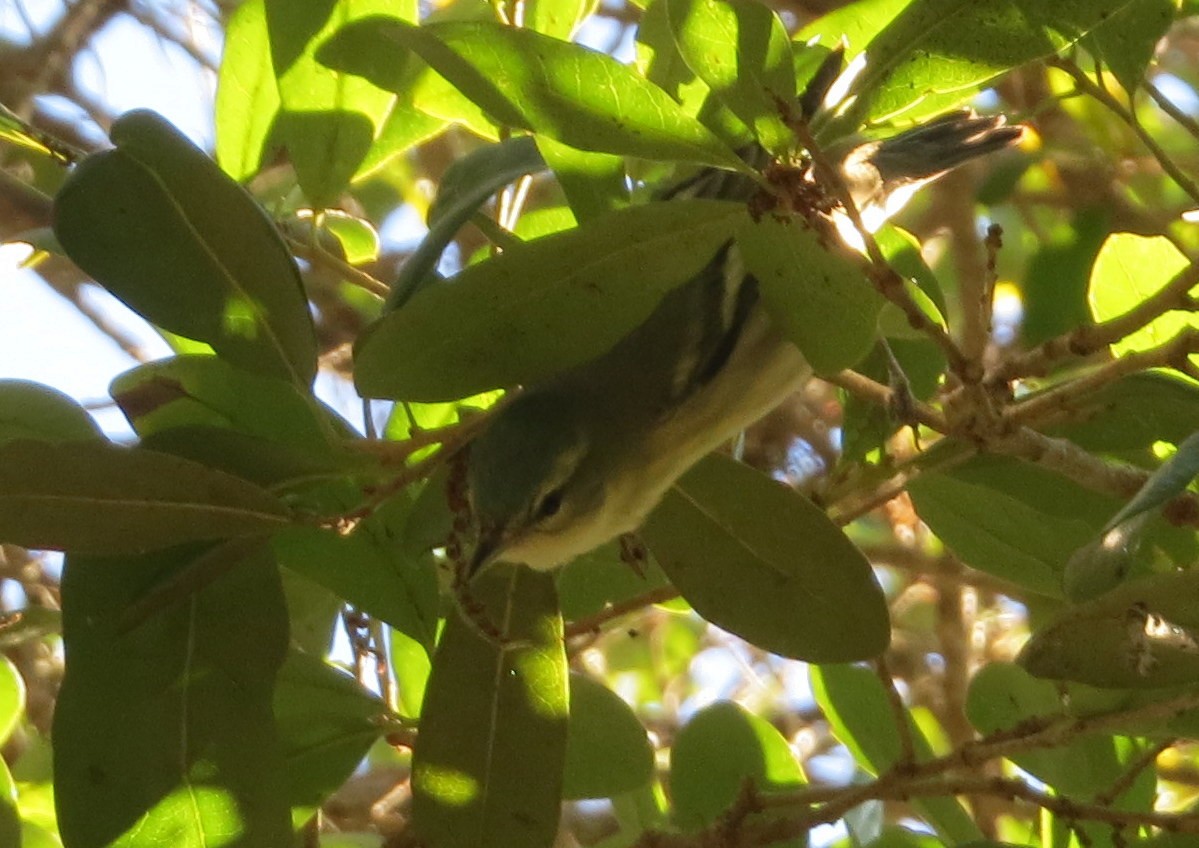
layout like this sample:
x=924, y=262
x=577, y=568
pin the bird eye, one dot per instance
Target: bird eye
x=550, y=505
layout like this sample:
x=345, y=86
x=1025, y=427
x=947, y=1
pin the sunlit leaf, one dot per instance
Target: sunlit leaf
x=1130, y=269
x=247, y=98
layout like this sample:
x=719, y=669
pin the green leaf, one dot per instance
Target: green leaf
x=857, y=707
x=594, y=183
x=464, y=188
x=607, y=751
x=815, y=291
x=935, y=54
x=1128, y=270
x=158, y=224
x=715, y=752
x=1054, y=285
x=584, y=99
x=103, y=499
x=802, y=589
x=557, y=18
x=740, y=49
x=1139, y=635
x=493, y=324
x=1164, y=484
x=405, y=128
x=247, y=98
x=12, y=698
x=10, y=816
x=1126, y=41
x=30, y=410
x=1003, y=695
x=205, y=391
x=374, y=568
x=1134, y=413
x=327, y=119
x=326, y=722
x=178, y=747
x=487, y=769
x=855, y=24
x=589, y=583
x=1010, y=518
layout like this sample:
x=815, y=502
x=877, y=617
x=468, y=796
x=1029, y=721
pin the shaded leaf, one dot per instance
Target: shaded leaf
x=487, y=768
x=158, y=224
x=178, y=747
x=1139, y=635
x=759, y=560
x=326, y=721
x=465, y=187
x=30, y=410
x=491, y=325
x=100, y=498
x=816, y=291
x=1125, y=42
x=607, y=751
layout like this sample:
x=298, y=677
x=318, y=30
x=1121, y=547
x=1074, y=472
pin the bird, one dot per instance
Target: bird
x=584, y=456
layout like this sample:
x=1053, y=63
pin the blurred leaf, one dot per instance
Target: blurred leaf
x=856, y=705
x=465, y=187
x=99, y=498
x=715, y=752
x=30, y=410
x=328, y=119
x=1128, y=270
x=158, y=224
x=802, y=589
x=1166, y=483
x=559, y=18
x=492, y=324
x=816, y=292
x=1140, y=635
x=411, y=665
x=1003, y=695
x=327, y=722
x=594, y=183
x=12, y=698
x=1126, y=40
x=487, y=768
x=357, y=238
x=574, y=95
x=740, y=49
x=178, y=747
x=247, y=98
x=1054, y=285
x=607, y=751
x=10, y=817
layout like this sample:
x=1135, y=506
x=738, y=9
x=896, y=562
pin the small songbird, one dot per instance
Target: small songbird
x=583, y=457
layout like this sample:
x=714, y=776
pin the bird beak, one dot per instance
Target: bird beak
x=486, y=547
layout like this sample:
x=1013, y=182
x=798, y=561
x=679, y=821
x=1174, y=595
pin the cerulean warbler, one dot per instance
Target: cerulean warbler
x=583, y=457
